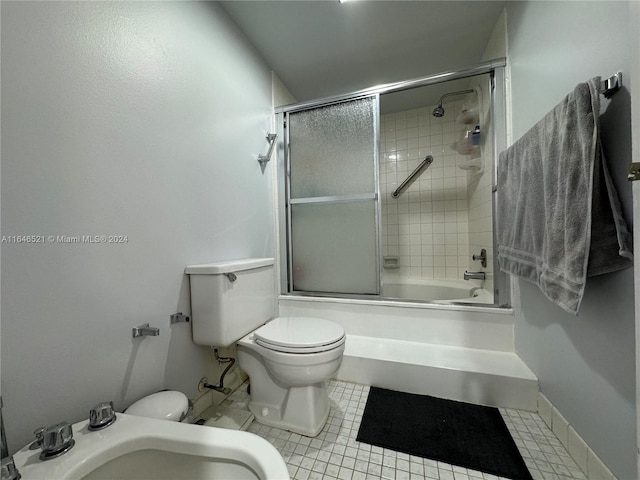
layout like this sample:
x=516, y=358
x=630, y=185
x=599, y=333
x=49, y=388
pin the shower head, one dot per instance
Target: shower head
x=438, y=111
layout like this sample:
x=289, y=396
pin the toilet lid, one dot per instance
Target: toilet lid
x=300, y=335
x=167, y=405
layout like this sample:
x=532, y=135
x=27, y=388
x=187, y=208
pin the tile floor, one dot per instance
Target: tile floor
x=335, y=454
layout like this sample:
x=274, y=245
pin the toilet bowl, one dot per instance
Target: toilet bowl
x=288, y=359
x=166, y=405
x=298, y=350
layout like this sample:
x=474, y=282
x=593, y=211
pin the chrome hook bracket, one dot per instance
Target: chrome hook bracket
x=145, y=330
x=611, y=85
x=178, y=318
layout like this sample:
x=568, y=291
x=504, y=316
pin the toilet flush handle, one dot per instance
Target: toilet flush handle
x=231, y=276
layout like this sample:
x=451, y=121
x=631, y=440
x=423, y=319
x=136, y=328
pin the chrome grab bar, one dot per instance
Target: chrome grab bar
x=413, y=177
x=264, y=159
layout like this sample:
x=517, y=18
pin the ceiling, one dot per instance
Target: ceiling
x=325, y=48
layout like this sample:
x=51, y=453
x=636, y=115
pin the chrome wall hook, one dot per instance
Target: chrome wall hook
x=145, y=330
x=178, y=318
x=611, y=85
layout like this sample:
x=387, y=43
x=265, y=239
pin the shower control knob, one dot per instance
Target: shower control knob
x=101, y=416
x=482, y=258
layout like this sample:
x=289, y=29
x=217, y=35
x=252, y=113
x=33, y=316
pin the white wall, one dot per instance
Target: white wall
x=141, y=119
x=280, y=92
x=585, y=364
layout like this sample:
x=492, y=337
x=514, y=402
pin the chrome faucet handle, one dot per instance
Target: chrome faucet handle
x=482, y=257
x=57, y=440
x=37, y=443
x=9, y=469
x=101, y=416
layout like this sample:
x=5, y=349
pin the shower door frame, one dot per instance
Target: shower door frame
x=498, y=111
x=285, y=262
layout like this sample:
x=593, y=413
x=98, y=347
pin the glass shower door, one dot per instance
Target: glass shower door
x=333, y=198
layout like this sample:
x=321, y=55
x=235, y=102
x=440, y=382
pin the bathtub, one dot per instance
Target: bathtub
x=436, y=290
x=446, y=348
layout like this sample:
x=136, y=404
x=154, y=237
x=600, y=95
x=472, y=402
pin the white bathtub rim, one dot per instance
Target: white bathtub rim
x=444, y=282
x=477, y=308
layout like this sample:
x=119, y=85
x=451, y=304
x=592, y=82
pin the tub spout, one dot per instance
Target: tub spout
x=474, y=275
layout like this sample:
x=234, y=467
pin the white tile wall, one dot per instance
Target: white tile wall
x=428, y=226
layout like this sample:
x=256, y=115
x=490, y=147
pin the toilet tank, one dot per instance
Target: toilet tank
x=230, y=299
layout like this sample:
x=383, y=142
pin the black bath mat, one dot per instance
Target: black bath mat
x=470, y=436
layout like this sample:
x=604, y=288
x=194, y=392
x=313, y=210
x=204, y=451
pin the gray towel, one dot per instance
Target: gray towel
x=559, y=217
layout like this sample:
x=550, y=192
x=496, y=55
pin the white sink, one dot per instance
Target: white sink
x=138, y=448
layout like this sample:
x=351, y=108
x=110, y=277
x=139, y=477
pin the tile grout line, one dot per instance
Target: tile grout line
x=576, y=447
x=335, y=454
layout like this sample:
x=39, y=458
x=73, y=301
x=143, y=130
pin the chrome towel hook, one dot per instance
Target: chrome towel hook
x=611, y=85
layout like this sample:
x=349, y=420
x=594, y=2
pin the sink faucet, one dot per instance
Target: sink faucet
x=101, y=416
x=9, y=470
x=55, y=440
x=474, y=275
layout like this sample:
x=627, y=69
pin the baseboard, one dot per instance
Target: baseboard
x=590, y=464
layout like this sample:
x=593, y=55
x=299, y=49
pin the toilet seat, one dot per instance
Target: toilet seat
x=300, y=335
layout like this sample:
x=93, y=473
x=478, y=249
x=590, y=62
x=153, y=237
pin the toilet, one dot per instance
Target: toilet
x=288, y=359
x=166, y=405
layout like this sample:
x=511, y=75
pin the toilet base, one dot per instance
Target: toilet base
x=303, y=410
